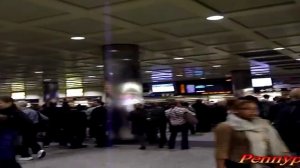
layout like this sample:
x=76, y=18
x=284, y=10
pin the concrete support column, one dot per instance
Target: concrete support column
x=122, y=85
x=241, y=82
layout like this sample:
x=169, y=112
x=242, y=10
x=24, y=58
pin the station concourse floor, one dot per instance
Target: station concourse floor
x=128, y=156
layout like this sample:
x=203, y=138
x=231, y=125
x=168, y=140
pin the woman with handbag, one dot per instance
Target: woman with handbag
x=245, y=133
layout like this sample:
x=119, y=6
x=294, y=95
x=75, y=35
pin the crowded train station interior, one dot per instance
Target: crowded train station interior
x=149, y=83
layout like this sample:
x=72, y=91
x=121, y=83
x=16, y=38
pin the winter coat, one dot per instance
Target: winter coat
x=16, y=122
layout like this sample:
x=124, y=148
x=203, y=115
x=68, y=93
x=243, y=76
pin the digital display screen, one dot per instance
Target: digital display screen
x=18, y=95
x=190, y=88
x=74, y=92
x=161, y=88
x=200, y=88
x=261, y=82
x=206, y=87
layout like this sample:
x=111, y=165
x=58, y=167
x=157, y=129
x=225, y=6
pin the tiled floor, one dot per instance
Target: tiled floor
x=128, y=157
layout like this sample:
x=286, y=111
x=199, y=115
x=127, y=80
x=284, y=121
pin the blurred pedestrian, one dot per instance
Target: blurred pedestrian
x=203, y=115
x=191, y=126
x=158, y=123
x=287, y=121
x=29, y=136
x=138, y=119
x=178, y=123
x=76, y=128
x=244, y=132
x=98, y=125
x=12, y=123
x=51, y=111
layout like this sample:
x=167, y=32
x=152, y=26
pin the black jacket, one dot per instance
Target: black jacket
x=99, y=116
x=287, y=123
x=139, y=122
x=16, y=119
x=157, y=115
x=16, y=122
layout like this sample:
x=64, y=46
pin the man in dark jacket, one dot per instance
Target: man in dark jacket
x=138, y=119
x=219, y=113
x=29, y=137
x=203, y=115
x=52, y=131
x=275, y=109
x=76, y=127
x=287, y=122
x=12, y=122
x=98, y=125
x=157, y=121
x=266, y=105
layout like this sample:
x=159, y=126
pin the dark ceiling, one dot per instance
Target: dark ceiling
x=35, y=37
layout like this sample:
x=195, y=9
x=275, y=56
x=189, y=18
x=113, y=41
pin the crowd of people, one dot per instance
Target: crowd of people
x=242, y=125
x=260, y=128
x=23, y=127
x=148, y=122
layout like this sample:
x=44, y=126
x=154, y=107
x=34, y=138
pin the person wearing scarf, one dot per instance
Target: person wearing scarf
x=245, y=133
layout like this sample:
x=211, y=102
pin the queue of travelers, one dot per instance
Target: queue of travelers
x=242, y=125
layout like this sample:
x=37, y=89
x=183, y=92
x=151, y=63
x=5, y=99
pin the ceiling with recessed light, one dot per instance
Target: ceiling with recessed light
x=36, y=37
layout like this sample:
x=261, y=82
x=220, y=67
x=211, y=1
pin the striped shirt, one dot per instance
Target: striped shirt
x=176, y=115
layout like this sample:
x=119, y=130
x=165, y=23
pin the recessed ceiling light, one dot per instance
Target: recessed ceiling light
x=203, y=78
x=298, y=59
x=92, y=76
x=47, y=80
x=38, y=72
x=179, y=75
x=216, y=66
x=113, y=50
x=178, y=58
x=77, y=38
x=126, y=59
x=278, y=48
x=215, y=17
x=100, y=66
x=148, y=71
